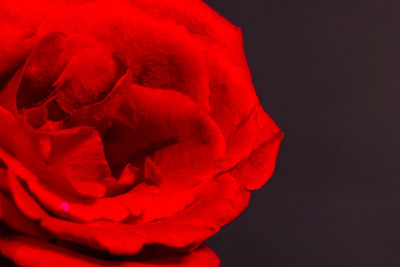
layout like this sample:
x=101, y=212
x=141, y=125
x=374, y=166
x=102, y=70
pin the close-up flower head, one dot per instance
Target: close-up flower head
x=130, y=132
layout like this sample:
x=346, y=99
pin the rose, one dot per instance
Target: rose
x=130, y=132
x=127, y=128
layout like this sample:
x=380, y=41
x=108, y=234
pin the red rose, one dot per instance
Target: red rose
x=130, y=132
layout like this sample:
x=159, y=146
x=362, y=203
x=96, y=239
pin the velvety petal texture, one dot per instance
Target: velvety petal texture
x=34, y=253
x=130, y=132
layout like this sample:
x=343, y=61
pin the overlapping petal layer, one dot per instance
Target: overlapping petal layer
x=126, y=126
x=30, y=252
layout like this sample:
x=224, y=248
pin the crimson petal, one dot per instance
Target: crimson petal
x=30, y=252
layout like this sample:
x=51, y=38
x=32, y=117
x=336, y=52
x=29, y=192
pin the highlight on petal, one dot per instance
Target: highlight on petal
x=64, y=206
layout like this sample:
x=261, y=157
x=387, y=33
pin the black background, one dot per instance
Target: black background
x=328, y=73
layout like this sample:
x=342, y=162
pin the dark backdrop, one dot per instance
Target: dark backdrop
x=328, y=73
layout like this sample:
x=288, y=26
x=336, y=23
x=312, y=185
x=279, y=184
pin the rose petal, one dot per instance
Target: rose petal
x=78, y=154
x=168, y=123
x=233, y=100
x=18, y=23
x=222, y=201
x=23, y=199
x=232, y=95
x=240, y=143
x=162, y=54
x=177, y=161
x=75, y=156
x=198, y=18
x=87, y=78
x=4, y=183
x=186, y=141
x=151, y=172
x=255, y=169
x=13, y=49
x=19, y=141
x=170, y=201
x=57, y=54
x=30, y=252
x=116, y=208
x=100, y=115
x=7, y=121
x=43, y=66
x=8, y=94
x=79, y=209
x=128, y=178
x=16, y=220
x=115, y=241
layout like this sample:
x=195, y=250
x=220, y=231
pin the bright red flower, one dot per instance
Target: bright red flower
x=128, y=128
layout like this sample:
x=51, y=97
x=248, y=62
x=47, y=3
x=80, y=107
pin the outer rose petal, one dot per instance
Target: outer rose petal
x=33, y=253
x=221, y=41
x=257, y=167
x=15, y=219
x=234, y=104
x=223, y=200
x=24, y=201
